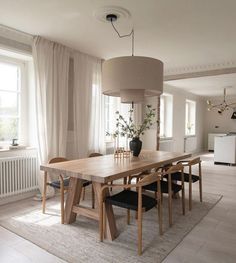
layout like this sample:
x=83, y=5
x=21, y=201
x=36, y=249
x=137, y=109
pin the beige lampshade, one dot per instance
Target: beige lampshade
x=132, y=78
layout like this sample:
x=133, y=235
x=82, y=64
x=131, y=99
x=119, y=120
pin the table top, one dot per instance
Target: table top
x=106, y=168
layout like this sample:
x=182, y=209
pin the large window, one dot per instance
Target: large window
x=190, y=117
x=113, y=104
x=166, y=115
x=10, y=99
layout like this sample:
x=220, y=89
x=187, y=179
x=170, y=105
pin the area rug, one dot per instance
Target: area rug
x=79, y=242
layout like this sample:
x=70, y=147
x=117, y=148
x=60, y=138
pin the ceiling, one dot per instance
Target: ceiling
x=184, y=34
x=207, y=86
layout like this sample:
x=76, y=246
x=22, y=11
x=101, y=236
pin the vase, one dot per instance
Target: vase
x=135, y=146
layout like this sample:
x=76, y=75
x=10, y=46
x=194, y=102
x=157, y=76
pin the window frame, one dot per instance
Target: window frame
x=167, y=116
x=22, y=98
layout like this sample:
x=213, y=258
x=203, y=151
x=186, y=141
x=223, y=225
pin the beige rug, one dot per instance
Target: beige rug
x=79, y=242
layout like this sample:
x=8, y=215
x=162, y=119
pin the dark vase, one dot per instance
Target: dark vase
x=135, y=146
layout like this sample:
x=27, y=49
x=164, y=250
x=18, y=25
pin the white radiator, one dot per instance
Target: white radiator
x=166, y=145
x=18, y=175
x=190, y=144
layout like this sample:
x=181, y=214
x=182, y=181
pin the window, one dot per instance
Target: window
x=11, y=76
x=113, y=104
x=190, y=117
x=166, y=115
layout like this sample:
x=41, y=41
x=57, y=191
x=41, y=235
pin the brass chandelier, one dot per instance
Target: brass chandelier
x=224, y=106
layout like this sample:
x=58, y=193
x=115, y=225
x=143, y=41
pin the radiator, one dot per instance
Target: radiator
x=18, y=175
x=190, y=144
x=166, y=145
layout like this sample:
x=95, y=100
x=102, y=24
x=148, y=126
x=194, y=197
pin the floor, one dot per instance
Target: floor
x=212, y=240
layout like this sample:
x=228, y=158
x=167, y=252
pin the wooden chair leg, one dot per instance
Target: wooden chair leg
x=44, y=191
x=183, y=197
x=104, y=221
x=140, y=222
x=162, y=198
x=101, y=218
x=83, y=196
x=156, y=195
x=128, y=216
x=200, y=181
x=136, y=213
x=190, y=189
x=62, y=199
x=159, y=203
x=169, y=200
x=93, y=197
x=190, y=195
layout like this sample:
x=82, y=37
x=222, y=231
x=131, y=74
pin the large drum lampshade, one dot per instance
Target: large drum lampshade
x=132, y=78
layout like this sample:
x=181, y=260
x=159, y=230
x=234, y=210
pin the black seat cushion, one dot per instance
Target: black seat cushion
x=177, y=177
x=56, y=184
x=164, y=187
x=86, y=183
x=129, y=199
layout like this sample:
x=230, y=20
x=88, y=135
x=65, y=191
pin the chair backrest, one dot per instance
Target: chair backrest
x=194, y=161
x=95, y=154
x=175, y=168
x=57, y=160
x=149, y=179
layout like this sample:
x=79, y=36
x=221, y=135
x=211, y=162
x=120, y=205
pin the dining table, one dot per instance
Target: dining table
x=102, y=170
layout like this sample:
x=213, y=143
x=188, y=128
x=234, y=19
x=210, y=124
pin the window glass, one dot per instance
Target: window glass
x=8, y=129
x=166, y=115
x=162, y=116
x=9, y=101
x=8, y=77
x=112, y=105
x=190, y=117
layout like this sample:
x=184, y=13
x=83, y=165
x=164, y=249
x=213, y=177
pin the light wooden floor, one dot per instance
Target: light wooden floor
x=212, y=240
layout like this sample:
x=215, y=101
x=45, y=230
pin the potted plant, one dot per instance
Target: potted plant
x=128, y=128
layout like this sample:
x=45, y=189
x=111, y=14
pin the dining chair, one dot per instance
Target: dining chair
x=170, y=188
x=62, y=184
x=189, y=177
x=133, y=200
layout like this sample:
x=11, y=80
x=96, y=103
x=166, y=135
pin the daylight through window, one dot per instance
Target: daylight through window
x=10, y=92
x=190, y=117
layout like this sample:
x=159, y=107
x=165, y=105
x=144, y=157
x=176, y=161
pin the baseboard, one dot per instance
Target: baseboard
x=11, y=199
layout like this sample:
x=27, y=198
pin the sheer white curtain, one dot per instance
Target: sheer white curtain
x=89, y=135
x=51, y=63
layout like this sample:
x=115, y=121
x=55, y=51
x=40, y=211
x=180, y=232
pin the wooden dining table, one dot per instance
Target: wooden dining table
x=102, y=170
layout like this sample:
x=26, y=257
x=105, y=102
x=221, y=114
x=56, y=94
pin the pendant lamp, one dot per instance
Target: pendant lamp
x=131, y=77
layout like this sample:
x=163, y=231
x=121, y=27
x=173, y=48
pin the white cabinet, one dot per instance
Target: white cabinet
x=225, y=149
x=211, y=140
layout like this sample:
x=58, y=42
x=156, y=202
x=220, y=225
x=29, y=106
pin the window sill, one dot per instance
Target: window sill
x=16, y=149
x=107, y=142
x=189, y=136
x=166, y=139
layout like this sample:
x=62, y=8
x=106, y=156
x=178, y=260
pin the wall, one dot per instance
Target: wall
x=178, y=138
x=216, y=123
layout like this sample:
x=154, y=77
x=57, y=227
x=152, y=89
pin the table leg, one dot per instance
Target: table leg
x=73, y=198
x=110, y=218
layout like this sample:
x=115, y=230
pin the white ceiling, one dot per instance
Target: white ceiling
x=207, y=86
x=182, y=33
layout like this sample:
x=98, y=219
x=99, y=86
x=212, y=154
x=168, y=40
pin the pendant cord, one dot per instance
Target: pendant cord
x=127, y=35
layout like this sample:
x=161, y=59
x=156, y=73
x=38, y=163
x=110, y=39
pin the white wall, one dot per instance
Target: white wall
x=179, y=98
x=215, y=122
